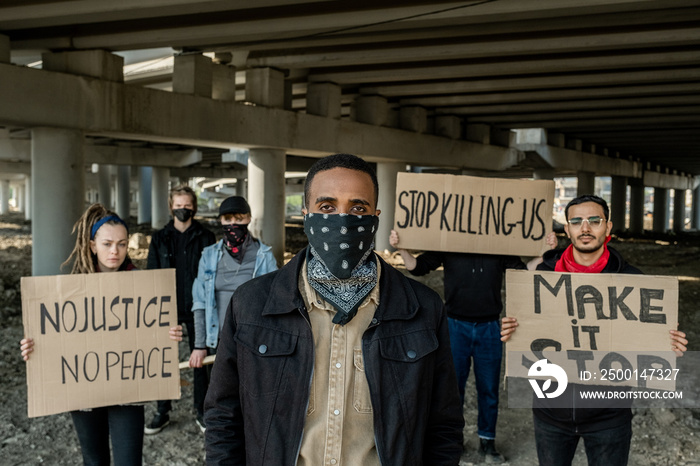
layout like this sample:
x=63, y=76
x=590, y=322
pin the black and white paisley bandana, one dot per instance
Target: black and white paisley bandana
x=340, y=262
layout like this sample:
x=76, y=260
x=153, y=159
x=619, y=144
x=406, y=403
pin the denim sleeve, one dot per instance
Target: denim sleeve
x=198, y=294
x=200, y=330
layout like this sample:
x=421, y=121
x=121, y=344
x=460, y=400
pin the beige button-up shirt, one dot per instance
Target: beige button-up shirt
x=339, y=428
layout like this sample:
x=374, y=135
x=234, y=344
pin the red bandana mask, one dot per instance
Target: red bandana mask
x=567, y=263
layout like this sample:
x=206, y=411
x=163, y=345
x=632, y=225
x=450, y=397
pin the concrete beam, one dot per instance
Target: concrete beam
x=23, y=168
x=512, y=67
x=563, y=159
x=15, y=150
x=99, y=64
x=667, y=181
x=457, y=51
x=204, y=172
x=554, y=95
x=139, y=156
x=129, y=112
x=535, y=83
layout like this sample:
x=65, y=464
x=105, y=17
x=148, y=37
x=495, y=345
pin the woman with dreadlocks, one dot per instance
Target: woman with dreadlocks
x=101, y=246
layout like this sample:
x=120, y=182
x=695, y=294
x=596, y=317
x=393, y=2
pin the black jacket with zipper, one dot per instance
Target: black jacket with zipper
x=161, y=256
x=472, y=282
x=585, y=419
x=257, y=400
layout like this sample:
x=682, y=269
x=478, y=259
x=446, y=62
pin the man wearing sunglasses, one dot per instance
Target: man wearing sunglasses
x=607, y=432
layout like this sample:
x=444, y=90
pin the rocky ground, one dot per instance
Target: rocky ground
x=661, y=436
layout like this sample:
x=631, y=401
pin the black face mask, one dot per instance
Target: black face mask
x=183, y=214
x=341, y=241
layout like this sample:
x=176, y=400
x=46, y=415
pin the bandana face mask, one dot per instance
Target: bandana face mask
x=183, y=214
x=234, y=236
x=341, y=242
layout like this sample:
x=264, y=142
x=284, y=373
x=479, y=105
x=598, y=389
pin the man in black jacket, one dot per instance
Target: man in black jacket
x=473, y=303
x=179, y=245
x=336, y=358
x=606, y=432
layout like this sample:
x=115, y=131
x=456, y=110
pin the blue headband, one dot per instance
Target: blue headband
x=103, y=220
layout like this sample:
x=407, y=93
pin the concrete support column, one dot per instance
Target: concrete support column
x=371, y=109
x=19, y=195
x=478, y=133
x=586, y=183
x=265, y=86
x=4, y=197
x=192, y=74
x=144, y=212
x=160, y=195
x=636, y=206
x=266, y=197
x=104, y=192
x=678, y=210
x=448, y=126
x=123, y=188
x=323, y=99
x=241, y=189
x=386, y=176
x=57, y=156
x=695, y=209
x=543, y=174
x=28, y=198
x=223, y=82
x=618, y=202
x=660, y=210
x=413, y=119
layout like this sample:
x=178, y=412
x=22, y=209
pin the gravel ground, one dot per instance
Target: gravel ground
x=661, y=436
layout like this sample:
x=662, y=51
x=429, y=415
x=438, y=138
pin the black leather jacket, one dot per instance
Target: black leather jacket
x=257, y=400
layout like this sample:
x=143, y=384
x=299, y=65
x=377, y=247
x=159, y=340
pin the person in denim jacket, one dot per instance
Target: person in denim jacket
x=223, y=267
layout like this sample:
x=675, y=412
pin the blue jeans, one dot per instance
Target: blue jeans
x=123, y=424
x=480, y=342
x=556, y=446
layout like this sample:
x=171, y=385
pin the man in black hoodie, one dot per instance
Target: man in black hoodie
x=179, y=246
x=606, y=431
x=473, y=303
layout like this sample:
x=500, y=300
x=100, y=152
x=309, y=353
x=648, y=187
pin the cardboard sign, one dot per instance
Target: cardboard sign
x=592, y=324
x=473, y=214
x=100, y=339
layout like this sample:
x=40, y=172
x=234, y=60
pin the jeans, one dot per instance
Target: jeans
x=200, y=382
x=556, y=446
x=123, y=424
x=480, y=342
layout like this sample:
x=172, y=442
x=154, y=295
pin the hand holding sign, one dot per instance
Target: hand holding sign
x=99, y=340
x=473, y=214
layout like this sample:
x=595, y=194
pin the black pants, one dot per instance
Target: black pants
x=122, y=424
x=201, y=379
x=557, y=447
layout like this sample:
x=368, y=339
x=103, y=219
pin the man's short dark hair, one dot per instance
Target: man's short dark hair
x=588, y=198
x=348, y=161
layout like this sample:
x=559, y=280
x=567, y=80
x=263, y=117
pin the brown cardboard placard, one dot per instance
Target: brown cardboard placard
x=100, y=339
x=472, y=214
x=578, y=319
